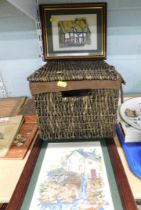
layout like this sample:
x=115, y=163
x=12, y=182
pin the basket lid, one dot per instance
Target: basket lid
x=65, y=70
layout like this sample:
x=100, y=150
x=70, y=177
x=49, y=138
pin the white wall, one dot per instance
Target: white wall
x=29, y=7
x=19, y=49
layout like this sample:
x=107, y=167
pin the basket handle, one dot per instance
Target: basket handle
x=121, y=92
x=76, y=93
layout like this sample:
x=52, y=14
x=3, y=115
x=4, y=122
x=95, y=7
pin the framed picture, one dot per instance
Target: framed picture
x=74, y=30
x=80, y=175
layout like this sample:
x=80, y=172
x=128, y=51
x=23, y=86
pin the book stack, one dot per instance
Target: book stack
x=18, y=127
x=11, y=106
x=16, y=135
x=9, y=127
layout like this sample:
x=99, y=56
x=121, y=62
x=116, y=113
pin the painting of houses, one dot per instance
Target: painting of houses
x=74, y=33
x=75, y=180
x=85, y=163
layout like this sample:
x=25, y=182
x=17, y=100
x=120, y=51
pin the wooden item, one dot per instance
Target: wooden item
x=75, y=99
x=9, y=127
x=23, y=138
x=3, y=206
x=124, y=189
x=11, y=106
x=127, y=199
x=28, y=108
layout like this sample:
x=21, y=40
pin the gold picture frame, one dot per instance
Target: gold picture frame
x=74, y=30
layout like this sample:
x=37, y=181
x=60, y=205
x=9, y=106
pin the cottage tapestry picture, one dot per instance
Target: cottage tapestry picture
x=72, y=177
x=74, y=32
x=71, y=32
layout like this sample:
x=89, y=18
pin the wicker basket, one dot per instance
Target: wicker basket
x=75, y=99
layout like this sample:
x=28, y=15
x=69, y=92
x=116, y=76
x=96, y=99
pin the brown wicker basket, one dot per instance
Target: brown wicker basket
x=75, y=99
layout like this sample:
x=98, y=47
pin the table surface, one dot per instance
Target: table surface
x=134, y=182
x=10, y=172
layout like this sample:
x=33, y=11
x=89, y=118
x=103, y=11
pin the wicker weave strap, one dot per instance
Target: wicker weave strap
x=42, y=87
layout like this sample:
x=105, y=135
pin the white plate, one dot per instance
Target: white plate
x=132, y=105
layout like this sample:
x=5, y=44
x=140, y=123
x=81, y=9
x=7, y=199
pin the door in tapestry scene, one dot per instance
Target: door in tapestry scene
x=74, y=33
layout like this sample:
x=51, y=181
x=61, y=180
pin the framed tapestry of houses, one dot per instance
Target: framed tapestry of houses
x=73, y=175
x=74, y=30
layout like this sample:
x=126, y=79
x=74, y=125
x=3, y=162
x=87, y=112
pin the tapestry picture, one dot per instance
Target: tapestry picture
x=72, y=177
x=71, y=32
x=74, y=32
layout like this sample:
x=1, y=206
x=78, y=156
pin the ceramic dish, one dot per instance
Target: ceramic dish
x=130, y=112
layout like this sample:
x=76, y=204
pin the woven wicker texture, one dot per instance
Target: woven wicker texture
x=75, y=70
x=93, y=115
x=77, y=113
